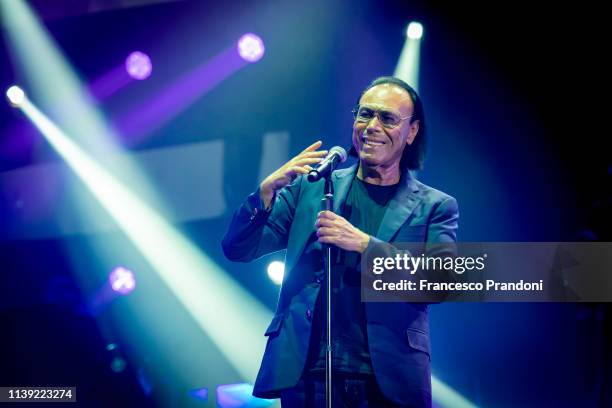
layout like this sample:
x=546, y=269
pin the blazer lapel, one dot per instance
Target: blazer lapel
x=342, y=179
x=400, y=207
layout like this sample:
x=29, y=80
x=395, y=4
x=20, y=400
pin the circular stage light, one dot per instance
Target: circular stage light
x=276, y=271
x=15, y=95
x=414, y=30
x=251, y=47
x=138, y=65
x=122, y=280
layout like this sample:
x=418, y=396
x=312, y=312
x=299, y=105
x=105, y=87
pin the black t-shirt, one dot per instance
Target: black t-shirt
x=364, y=208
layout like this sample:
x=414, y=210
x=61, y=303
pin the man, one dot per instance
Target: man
x=380, y=350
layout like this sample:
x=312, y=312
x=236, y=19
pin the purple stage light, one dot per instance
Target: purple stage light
x=122, y=280
x=171, y=101
x=251, y=47
x=138, y=65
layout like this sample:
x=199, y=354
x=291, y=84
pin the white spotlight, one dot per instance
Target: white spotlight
x=414, y=30
x=15, y=95
x=276, y=271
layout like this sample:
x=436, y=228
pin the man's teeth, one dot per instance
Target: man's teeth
x=373, y=143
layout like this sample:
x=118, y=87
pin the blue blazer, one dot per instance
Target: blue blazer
x=398, y=332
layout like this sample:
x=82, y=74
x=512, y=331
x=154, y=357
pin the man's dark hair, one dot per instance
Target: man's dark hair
x=413, y=156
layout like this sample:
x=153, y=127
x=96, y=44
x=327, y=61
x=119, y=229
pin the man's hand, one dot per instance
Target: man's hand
x=289, y=171
x=336, y=230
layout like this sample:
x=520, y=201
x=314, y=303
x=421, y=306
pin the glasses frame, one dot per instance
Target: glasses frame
x=355, y=111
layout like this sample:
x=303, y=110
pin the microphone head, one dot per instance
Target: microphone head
x=335, y=155
x=340, y=152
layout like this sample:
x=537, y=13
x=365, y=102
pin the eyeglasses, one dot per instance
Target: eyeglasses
x=387, y=118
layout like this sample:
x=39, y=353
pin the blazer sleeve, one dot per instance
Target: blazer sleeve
x=443, y=223
x=255, y=231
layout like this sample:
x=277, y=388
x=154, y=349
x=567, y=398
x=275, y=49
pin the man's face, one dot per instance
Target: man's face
x=377, y=145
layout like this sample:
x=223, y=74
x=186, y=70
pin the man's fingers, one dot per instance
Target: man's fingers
x=313, y=146
x=327, y=214
x=302, y=162
x=324, y=231
x=295, y=170
x=318, y=156
x=324, y=222
x=294, y=167
x=318, y=153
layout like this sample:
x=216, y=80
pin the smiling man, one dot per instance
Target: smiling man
x=381, y=143
x=381, y=353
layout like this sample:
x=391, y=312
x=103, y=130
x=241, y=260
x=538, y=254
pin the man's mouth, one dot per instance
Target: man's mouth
x=372, y=143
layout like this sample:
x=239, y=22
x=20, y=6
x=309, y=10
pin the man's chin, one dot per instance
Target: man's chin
x=368, y=158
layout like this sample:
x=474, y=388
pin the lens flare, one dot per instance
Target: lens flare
x=122, y=280
x=414, y=30
x=251, y=47
x=15, y=95
x=276, y=271
x=138, y=65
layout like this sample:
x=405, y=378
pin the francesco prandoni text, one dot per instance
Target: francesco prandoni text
x=407, y=263
x=489, y=284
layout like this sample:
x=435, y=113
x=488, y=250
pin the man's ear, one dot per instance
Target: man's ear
x=412, y=131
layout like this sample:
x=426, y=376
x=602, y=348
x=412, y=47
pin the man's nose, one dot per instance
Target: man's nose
x=373, y=124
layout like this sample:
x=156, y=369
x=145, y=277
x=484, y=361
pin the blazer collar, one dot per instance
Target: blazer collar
x=342, y=179
x=399, y=208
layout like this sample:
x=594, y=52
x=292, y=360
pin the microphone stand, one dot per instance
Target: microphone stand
x=327, y=203
x=336, y=155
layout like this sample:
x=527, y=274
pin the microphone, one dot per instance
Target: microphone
x=335, y=156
